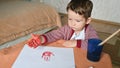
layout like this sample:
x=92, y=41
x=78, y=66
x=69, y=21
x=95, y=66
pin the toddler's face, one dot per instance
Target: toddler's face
x=76, y=21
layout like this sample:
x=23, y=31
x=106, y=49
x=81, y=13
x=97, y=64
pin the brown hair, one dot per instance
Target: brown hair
x=82, y=7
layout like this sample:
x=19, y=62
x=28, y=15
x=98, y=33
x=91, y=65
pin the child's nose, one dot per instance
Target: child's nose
x=73, y=23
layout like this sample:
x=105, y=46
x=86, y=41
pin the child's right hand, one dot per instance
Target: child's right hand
x=34, y=41
x=70, y=43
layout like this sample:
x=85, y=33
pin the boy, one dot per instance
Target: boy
x=76, y=32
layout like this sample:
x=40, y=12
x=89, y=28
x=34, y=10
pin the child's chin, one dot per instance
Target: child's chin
x=73, y=28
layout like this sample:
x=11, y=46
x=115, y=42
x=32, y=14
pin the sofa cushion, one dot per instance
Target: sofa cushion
x=19, y=18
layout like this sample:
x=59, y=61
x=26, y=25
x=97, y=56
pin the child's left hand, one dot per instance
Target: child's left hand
x=70, y=43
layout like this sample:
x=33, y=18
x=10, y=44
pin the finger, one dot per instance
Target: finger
x=32, y=43
x=38, y=41
x=34, y=36
x=29, y=44
x=35, y=44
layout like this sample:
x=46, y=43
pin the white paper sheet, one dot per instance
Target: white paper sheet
x=32, y=58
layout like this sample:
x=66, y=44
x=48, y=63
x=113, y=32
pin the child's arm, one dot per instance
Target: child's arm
x=90, y=33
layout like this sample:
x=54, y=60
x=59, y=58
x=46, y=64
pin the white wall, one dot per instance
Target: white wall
x=60, y=5
x=103, y=9
x=106, y=10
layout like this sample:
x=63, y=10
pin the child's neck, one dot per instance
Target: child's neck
x=77, y=32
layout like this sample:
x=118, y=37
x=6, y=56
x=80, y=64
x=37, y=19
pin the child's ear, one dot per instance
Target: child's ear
x=88, y=20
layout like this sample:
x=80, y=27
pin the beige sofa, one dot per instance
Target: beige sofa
x=20, y=18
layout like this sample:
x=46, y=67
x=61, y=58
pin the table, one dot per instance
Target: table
x=9, y=55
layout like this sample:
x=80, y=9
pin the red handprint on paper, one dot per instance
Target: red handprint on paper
x=47, y=55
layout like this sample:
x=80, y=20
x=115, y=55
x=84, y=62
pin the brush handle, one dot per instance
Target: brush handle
x=109, y=37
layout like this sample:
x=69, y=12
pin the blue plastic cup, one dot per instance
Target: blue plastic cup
x=94, y=50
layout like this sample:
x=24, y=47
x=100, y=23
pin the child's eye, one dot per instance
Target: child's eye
x=69, y=19
x=77, y=20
